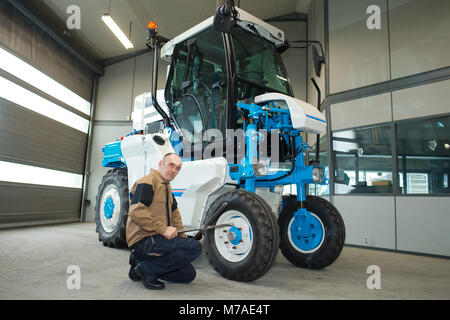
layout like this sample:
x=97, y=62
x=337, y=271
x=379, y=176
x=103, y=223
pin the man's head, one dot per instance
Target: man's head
x=169, y=166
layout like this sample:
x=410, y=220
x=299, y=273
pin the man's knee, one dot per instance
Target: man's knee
x=184, y=275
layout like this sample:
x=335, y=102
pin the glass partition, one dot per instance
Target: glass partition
x=363, y=160
x=423, y=156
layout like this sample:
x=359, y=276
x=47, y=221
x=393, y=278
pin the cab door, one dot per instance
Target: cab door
x=196, y=93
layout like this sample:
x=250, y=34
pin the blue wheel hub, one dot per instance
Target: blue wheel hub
x=306, y=232
x=234, y=235
x=109, y=208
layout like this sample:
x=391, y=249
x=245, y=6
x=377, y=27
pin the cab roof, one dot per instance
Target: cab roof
x=245, y=20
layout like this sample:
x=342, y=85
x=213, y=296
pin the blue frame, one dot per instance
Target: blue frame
x=306, y=231
x=300, y=175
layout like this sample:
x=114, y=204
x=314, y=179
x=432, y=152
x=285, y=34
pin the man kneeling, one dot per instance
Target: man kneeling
x=157, y=250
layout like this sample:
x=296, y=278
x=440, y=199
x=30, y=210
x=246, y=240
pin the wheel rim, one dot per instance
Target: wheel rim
x=234, y=243
x=110, y=208
x=313, y=241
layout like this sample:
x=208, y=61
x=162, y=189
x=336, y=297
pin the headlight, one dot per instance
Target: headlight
x=317, y=174
x=261, y=167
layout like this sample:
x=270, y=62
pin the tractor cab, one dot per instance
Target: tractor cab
x=211, y=71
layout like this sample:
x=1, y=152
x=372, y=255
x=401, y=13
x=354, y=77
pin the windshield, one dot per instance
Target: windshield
x=259, y=67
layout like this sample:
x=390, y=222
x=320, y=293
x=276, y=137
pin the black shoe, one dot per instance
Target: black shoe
x=132, y=274
x=149, y=282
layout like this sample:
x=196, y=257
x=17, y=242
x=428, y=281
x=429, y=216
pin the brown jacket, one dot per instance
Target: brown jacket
x=152, y=206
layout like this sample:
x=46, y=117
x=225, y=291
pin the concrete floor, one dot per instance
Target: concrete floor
x=34, y=264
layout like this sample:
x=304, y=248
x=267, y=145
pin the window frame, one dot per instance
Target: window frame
x=395, y=171
x=333, y=167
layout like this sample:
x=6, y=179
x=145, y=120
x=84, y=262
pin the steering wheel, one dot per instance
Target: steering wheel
x=197, y=104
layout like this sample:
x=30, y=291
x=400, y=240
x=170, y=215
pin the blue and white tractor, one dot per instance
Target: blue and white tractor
x=228, y=110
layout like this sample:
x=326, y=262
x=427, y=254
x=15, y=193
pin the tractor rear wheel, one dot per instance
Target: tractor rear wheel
x=111, y=208
x=325, y=241
x=246, y=250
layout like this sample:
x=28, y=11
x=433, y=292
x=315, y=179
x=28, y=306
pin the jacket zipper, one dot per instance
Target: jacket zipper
x=167, y=204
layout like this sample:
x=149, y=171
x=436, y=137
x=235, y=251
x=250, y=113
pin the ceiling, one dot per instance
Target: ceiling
x=98, y=43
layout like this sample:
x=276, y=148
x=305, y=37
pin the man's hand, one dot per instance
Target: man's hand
x=170, y=233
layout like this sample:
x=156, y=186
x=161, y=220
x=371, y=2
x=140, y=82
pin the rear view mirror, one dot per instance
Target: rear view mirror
x=318, y=60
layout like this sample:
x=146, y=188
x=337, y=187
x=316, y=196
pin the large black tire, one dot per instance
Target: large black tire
x=111, y=209
x=276, y=242
x=332, y=236
x=256, y=254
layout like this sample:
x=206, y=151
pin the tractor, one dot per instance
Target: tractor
x=228, y=110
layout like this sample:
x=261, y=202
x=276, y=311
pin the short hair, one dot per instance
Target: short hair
x=168, y=154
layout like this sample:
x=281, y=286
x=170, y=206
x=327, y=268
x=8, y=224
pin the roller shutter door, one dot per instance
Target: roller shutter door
x=37, y=141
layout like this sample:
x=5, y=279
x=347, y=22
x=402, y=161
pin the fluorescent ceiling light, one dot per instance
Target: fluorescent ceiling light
x=27, y=99
x=22, y=70
x=112, y=25
x=20, y=173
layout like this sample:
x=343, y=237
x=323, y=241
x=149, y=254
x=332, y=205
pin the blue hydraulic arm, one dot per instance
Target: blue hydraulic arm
x=277, y=119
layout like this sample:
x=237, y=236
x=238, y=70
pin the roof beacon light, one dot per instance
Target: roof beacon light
x=151, y=37
x=152, y=25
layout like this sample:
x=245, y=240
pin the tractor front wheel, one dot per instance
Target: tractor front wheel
x=325, y=240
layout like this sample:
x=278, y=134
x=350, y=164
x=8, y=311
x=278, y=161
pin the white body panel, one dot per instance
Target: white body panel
x=142, y=153
x=266, y=30
x=304, y=116
x=196, y=181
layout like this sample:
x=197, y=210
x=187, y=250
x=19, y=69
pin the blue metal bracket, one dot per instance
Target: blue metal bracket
x=302, y=220
x=112, y=156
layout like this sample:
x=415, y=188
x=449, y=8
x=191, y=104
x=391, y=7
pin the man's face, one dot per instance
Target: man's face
x=169, y=167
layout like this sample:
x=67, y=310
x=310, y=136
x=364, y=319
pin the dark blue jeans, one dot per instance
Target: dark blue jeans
x=168, y=260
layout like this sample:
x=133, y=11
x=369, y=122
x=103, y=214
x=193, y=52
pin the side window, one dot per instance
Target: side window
x=183, y=106
x=197, y=87
x=207, y=78
x=173, y=90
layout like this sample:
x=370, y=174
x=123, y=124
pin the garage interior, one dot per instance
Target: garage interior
x=386, y=150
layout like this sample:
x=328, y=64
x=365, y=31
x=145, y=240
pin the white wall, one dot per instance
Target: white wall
x=358, y=56
x=360, y=112
x=369, y=220
x=420, y=101
x=419, y=35
x=423, y=224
